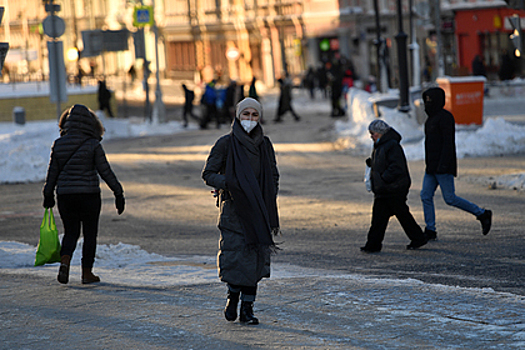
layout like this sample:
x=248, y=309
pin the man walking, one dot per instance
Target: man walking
x=441, y=164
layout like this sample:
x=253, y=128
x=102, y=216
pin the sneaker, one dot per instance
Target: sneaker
x=486, y=221
x=431, y=235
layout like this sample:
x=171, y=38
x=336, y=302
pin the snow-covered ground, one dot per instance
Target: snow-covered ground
x=24, y=155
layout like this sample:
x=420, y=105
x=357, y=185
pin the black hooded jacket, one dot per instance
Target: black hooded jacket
x=440, y=131
x=389, y=174
x=77, y=157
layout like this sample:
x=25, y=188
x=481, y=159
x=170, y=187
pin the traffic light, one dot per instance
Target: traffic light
x=516, y=34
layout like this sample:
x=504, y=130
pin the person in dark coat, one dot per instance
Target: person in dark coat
x=242, y=169
x=77, y=159
x=285, y=100
x=478, y=67
x=209, y=103
x=390, y=180
x=441, y=164
x=189, y=96
x=104, y=98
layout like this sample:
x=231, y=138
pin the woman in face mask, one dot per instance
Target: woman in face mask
x=242, y=168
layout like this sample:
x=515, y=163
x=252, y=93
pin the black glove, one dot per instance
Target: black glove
x=49, y=201
x=119, y=203
x=368, y=161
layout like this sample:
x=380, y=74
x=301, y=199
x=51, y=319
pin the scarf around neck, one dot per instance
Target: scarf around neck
x=254, y=199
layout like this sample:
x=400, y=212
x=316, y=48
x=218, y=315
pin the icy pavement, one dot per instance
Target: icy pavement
x=147, y=301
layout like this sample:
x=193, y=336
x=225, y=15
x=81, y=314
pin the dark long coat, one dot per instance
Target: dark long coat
x=237, y=264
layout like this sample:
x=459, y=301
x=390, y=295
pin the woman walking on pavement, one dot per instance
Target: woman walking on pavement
x=77, y=159
x=242, y=168
x=390, y=183
x=441, y=164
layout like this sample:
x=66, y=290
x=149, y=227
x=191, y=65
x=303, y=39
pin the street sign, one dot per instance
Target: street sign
x=143, y=16
x=96, y=41
x=54, y=26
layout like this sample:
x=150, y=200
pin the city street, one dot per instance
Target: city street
x=325, y=214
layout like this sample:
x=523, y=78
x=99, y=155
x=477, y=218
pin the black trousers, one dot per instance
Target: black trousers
x=248, y=293
x=382, y=210
x=80, y=211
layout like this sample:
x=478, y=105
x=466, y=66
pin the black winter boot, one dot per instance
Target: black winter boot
x=247, y=316
x=230, y=311
x=431, y=235
x=486, y=221
x=63, y=270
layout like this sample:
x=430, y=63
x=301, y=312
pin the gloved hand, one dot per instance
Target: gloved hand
x=368, y=161
x=120, y=203
x=49, y=201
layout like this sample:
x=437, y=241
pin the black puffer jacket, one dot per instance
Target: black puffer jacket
x=389, y=174
x=77, y=157
x=440, y=135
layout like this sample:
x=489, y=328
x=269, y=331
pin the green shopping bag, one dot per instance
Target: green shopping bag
x=48, y=250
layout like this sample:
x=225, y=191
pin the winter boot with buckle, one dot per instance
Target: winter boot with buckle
x=63, y=270
x=230, y=311
x=247, y=316
x=88, y=276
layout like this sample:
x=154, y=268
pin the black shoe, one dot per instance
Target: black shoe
x=431, y=235
x=486, y=221
x=366, y=249
x=416, y=244
x=247, y=316
x=230, y=311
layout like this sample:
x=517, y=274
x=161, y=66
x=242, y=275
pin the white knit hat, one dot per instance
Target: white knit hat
x=248, y=102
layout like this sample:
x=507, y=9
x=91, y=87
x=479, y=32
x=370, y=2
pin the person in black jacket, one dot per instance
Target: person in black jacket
x=390, y=183
x=104, y=98
x=441, y=164
x=189, y=96
x=242, y=169
x=77, y=159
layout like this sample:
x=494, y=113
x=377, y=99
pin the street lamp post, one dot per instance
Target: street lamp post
x=401, y=39
x=382, y=76
x=159, y=109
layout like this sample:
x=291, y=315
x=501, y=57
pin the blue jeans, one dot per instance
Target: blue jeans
x=446, y=183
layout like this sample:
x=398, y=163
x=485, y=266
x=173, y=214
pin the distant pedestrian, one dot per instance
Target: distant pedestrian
x=209, y=105
x=390, y=180
x=478, y=66
x=242, y=169
x=104, y=98
x=309, y=82
x=252, y=92
x=132, y=73
x=189, y=96
x=441, y=164
x=76, y=162
x=336, y=75
x=285, y=100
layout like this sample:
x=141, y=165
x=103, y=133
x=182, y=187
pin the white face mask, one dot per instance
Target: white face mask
x=248, y=125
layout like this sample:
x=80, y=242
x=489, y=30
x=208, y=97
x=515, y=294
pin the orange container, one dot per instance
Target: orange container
x=464, y=98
